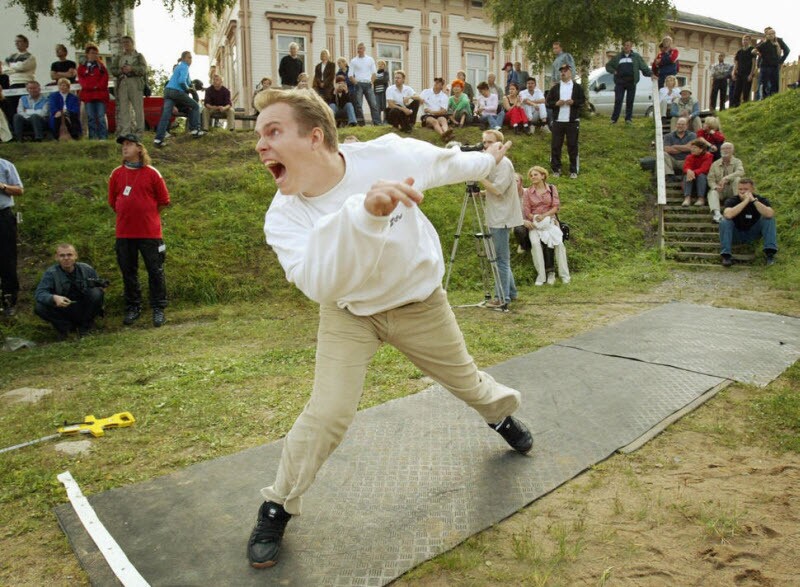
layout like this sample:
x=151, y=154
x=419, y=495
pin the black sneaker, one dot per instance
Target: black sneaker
x=158, y=317
x=727, y=261
x=770, y=260
x=515, y=433
x=132, y=314
x=265, y=540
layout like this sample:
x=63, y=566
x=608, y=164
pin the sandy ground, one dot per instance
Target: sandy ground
x=705, y=503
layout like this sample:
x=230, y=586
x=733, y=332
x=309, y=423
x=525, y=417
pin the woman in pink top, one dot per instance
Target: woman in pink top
x=540, y=204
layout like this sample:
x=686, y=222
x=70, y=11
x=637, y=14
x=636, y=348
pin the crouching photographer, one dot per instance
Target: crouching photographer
x=70, y=294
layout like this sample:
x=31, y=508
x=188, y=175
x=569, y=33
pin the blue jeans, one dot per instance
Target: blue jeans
x=494, y=120
x=366, y=88
x=171, y=98
x=765, y=229
x=702, y=185
x=503, y=254
x=96, y=113
x=348, y=110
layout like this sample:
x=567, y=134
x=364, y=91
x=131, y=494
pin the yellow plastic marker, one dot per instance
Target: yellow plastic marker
x=90, y=425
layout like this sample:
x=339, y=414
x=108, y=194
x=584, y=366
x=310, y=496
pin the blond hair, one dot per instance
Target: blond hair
x=712, y=122
x=309, y=109
x=495, y=134
x=541, y=170
x=144, y=156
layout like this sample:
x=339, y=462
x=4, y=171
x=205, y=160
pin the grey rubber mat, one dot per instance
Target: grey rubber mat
x=750, y=347
x=413, y=478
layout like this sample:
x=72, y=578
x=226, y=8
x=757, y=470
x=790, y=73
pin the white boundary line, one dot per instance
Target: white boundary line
x=114, y=555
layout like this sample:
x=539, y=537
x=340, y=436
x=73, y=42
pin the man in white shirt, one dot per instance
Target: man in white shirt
x=353, y=238
x=402, y=103
x=32, y=113
x=566, y=99
x=503, y=213
x=434, y=109
x=533, y=103
x=362, y=74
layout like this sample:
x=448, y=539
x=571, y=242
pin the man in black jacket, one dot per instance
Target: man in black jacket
x=566, y=98
x=290, y=67
x=70, y=294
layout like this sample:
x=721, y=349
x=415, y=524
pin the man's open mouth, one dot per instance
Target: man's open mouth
x=278, y=170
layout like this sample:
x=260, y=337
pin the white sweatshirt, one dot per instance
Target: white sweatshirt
x=333, y=250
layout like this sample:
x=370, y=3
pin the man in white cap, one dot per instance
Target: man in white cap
x=687, y=107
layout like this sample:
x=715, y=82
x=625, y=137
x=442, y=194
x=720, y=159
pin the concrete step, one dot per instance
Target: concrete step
x=673, y=208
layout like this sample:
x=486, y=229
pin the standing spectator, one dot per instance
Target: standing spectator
x=93, y=77
x=70, y=294
x=65, y=112
x=342, y=105
x=666, y=61
x=511, y=75
x=137, y=193
x=10, y=186
x=712, y=134
x=743, y=71
x=533, y=102
x=469, y=92
x=175, y=93
x=522, y=75
x=515, y=117
x=561, y=58
x=402, y=103
x=488, y=107
x=31, y=113
x=668, y=95
x=503, y=213
x=695, y=172
x=217, y=103
x=773, y=52
x=687, y=107
x=290, y=67
x=129, y=69
x=720, y=76
x=434, y=109
x=723, y=179
x=566, y=99
x=625, y=66
x=62, y=67
x=324, y=75
x=677, y=147
x=362, y=74
x=745, y=219
x=21, y=69
x=458, y=107
x=494, y=88
x=379, y=85
x=540, y=205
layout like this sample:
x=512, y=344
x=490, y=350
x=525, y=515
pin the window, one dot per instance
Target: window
x=476, y=4
x=283, y=47
x=477, y=68
x=393, y=56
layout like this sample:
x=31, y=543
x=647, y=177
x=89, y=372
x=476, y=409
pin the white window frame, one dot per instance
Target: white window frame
x=392, y=64
x=302, y=43
x=476, y=75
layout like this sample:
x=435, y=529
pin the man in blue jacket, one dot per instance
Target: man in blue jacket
x=175, y=92
x=70, y=294
x=626, y=67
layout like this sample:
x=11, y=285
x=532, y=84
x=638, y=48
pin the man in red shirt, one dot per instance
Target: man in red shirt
x=137, y=193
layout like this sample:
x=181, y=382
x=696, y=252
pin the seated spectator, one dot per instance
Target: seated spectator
x=540, y=204
x=533, y=102
x=723, y=179
x=458, y=108
x=668, y=95
x=217, y=104
x=302, y=81
x=745, y=219
x=342, y=105
x=468, y=91
x=93, y=77
x=688, y=108
x=515, y=116
x=379, y=85
x=70, y=294
x=487, y=108
x=65, y=113
x=402, y=103
x=494, y=88
x=695, y=172
x=434, y=109
x=676, y=147
x=344, y=70
x=31, y=113
x=712, y=135
x=264, y=85
x=63, y=68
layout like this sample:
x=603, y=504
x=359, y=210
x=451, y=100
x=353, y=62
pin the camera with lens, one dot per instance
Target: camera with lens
x=97, y=282
x=468, y=148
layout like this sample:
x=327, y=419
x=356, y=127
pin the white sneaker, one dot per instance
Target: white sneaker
x=551, y=278
x=566, y=280
x=537, y=282
x=717, y=216
x=158, y=143
x=198, y=133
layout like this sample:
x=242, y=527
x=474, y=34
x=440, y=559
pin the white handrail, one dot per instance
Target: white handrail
x=661, y=188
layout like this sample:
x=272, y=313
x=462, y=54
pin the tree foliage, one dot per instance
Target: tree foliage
x=582, y=26
x=91, y=20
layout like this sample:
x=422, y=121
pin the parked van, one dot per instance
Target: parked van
x=601, y=94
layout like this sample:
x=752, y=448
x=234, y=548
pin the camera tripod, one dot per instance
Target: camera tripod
x=487, y=257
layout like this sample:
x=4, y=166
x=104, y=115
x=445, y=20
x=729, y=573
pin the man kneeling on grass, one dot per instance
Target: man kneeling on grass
x=352, y=237
x=745, y=219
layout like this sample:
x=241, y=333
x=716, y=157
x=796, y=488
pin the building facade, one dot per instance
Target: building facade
x=425, y=38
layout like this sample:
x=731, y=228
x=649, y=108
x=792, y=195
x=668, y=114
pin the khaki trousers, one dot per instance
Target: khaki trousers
x=229, y=115
x=426, y=332
x=730, y=190
x=130, y=100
